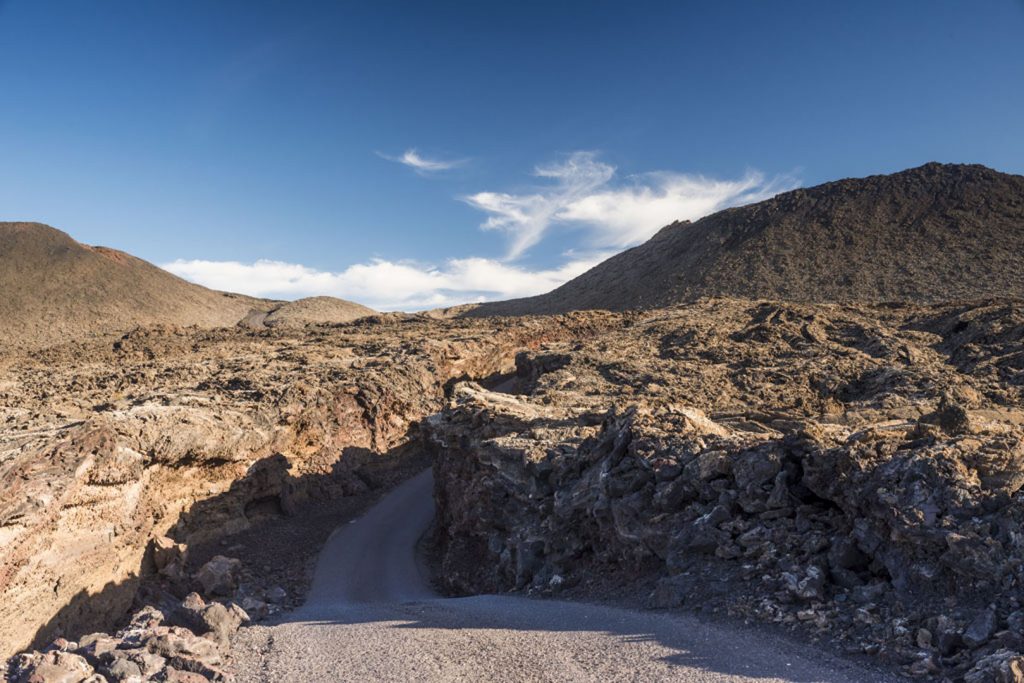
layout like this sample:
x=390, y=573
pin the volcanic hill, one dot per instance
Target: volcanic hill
x=57, y=289
x=939, y=232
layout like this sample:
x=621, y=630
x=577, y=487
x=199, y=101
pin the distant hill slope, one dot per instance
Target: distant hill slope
x=939, y=232
x=53, y=288
x=314, y=310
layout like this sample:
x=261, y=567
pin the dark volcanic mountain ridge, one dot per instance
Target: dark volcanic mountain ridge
x=939, y=232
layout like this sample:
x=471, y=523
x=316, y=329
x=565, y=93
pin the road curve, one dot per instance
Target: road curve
x=371, y=616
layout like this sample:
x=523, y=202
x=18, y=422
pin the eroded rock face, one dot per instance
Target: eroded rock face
x=853, y=471
x=116, y=455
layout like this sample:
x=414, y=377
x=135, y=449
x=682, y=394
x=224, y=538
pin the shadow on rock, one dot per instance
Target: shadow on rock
x=253, y=522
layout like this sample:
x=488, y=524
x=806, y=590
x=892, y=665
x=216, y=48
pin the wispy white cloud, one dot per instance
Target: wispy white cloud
x=579, y=191
x=422, y=164
x=582, y=193
x=526, y=217
x=386, y=285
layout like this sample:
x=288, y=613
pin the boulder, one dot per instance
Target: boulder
x=844, y=554
x=255, y=608
x=169, y=557
x=219, y=576
x=708, y=465
x=1015, y=621
x=50, y=667
x=670, y=591
x=222, y=621
x=185, y=651
x=178, y=642
x=122, y=668
x=171, y=675
x=189, y=613
x=275, y=595
x=755, y=468
x=95, y=645
x=146, y=618
x=870, y=592
x=1002, y=666
x=811, y=586
x=981, y=628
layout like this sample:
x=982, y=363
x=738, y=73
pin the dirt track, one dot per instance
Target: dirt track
x=371, y=616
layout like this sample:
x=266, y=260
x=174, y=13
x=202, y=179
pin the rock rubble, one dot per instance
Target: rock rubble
x=852, y=473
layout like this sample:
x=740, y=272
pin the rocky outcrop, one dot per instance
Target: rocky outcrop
x=107, y=448
x=855, y=473
x=186, y=641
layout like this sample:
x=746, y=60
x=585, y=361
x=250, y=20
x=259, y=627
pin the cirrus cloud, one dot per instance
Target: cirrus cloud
x=582, y=193
x=421, y=164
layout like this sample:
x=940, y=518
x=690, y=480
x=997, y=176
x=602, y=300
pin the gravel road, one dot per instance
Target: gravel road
x=371, y=616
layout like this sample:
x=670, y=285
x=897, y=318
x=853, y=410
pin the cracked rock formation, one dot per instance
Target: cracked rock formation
x=108, y=446
x=845, y=469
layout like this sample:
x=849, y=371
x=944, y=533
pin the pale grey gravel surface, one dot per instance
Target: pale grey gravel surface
x=371, y=616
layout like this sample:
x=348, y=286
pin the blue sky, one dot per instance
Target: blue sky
x=426, y=153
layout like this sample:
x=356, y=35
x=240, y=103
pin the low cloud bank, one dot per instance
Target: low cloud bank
x=385, y=285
